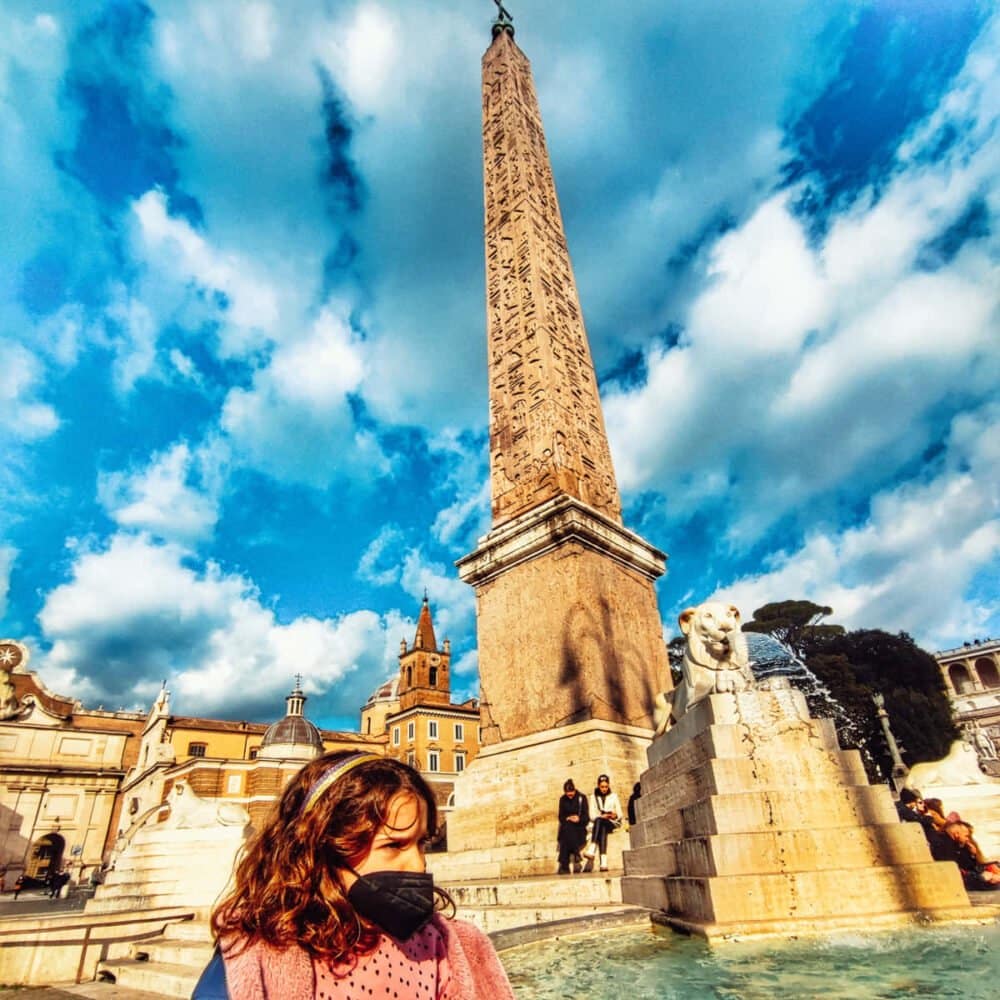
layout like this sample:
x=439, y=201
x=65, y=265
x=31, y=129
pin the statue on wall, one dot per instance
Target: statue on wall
x=982, y=742
x=10, y=657
x=715, y=660
x=188, y=811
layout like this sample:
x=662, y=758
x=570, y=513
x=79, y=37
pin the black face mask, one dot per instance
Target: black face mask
x=401, y=903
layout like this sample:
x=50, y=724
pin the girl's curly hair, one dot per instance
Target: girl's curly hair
x=288, y=885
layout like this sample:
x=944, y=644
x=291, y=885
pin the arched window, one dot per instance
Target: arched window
x=960, y=679
x=434, y=676
x=409, y=676
x=988, y=672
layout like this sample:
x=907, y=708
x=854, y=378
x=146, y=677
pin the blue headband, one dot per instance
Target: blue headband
x=333, y=773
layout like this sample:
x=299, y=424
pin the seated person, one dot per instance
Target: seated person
x=953, y=844
x=911, y=809
x=934, y=811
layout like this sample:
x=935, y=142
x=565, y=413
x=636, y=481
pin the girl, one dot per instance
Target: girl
x=332, y=898
x=606, y=811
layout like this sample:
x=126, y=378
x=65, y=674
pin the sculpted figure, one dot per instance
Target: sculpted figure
x=188, y=811
x=715, y=660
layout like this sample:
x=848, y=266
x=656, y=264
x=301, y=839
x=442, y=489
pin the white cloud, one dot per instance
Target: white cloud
x=7, y=556
x=295, y=422
x=175, y=497
x=135, y=612
x=249, y=307
x=910, y=564
x=21, y=379
x=380, y=562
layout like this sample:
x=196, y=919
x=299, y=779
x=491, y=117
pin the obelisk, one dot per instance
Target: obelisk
x=571, y=651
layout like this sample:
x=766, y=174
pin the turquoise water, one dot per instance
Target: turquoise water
x=657, y=964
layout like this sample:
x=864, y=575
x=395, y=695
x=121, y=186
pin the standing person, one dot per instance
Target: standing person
x=332, y=898
x=18, y=885
x=573, y=818
x=606, y=812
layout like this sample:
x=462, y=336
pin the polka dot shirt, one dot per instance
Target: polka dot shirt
x=397, y=970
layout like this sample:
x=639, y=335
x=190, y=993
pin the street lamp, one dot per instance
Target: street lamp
x=899, y=769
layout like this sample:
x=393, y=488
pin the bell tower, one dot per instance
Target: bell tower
x=423, y=668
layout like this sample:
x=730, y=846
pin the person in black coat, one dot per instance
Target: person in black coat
x=574, y=815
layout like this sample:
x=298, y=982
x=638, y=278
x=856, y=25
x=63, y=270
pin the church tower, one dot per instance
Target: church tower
x=423, y=668
x=568, y=624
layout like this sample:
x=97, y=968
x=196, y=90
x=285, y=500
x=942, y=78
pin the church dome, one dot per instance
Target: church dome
x=292, y=729
x=389, y=691
x=294, y=736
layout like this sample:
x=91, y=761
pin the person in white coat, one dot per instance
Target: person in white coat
x=606, y=813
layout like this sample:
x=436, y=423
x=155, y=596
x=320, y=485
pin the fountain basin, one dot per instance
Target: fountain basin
x=653, y=963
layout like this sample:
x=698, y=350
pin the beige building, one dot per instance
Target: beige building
x=235, y=764
x=972, y=678
x=61, y=770
x=414, y=712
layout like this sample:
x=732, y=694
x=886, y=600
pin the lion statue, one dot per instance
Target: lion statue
x=960, y=767
x=188, y=811
x=715, y=660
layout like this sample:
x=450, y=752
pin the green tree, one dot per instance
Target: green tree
x=855, y=665
x=795, y=624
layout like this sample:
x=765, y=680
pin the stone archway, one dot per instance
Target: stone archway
x=987, y=671
x=958, y=673
x=46, y=856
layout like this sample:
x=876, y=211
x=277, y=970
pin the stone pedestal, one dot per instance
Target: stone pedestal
x=567, y=622
x=753, y=822
x=504, y=823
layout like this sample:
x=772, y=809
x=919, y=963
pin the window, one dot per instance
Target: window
x=434, y=676
x=432, y=729
x=253, y=752
x=411, y=759
x=459, y=762
x=197, y=749
x=459, y=732
x=395, y=736
x=411, y=730
x=433, y=761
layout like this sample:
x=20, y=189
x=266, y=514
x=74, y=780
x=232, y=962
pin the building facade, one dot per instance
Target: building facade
x=415, y=714
x=972, y=678
x=61, y=771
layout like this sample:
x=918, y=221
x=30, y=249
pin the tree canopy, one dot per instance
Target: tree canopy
x=855, y=665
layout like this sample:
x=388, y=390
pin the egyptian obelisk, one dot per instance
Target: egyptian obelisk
x=571, y=651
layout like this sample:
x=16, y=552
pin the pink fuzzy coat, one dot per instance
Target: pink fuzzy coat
x=265, y=973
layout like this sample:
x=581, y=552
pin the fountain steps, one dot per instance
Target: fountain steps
x=751, y=817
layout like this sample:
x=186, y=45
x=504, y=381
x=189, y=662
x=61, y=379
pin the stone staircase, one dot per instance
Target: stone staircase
x=168, y=966
x=167, y=866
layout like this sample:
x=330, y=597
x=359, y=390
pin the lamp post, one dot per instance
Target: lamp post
x=899, y=769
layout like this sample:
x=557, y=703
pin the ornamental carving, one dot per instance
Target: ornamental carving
x=547, y=433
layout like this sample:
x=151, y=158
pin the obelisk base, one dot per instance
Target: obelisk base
x=504, y=823
x=753, y=822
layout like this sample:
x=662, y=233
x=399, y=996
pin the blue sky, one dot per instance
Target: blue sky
x=242, y=337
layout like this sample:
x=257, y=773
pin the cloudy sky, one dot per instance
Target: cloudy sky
x=242, y=321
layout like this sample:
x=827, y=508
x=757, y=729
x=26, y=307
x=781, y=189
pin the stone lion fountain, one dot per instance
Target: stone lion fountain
x=754, y=822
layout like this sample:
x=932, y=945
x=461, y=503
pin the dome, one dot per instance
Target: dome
x=294, y=737
x=389, y=691
x=292, y=729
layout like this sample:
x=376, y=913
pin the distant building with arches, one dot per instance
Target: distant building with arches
x=971, y=675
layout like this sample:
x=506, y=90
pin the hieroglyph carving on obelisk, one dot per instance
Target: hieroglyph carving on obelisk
x=547, y=433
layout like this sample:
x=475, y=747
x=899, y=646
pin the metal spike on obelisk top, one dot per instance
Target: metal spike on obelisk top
x=504, y=21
